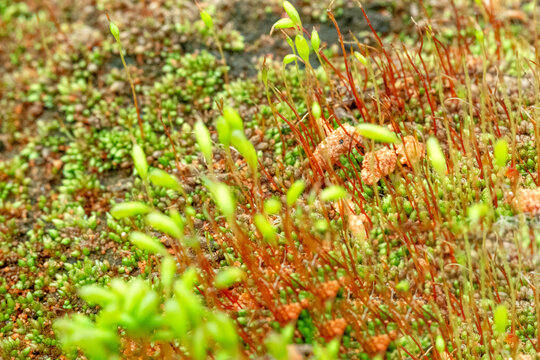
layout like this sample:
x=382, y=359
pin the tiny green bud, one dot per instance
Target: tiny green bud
x=114, y=31
x=190, y=277
x=147, y=306
x=207, y=19
x=500, y=152
x=176, y=318
x=139, y=159
x=361, y=58
x=233, y=119
x=315, y=40
x=500, y=319
x=477, y=211
x=284, y=23
x=272, y=206
x=479, y=34
x=289, y=58
x=199, y=344
x=403, y=286
x=225, y=333
x=204, y=141
x=129, y=208
x=293, y=14
x=224, y=131
x=161, y=178
x=295, y=191
x=316, y=110
x=164, y=223
x=228, y=277
x=147, y=243
x=168, y=270
x=264, y=74
x=436, y=155
x=377, y=133
x=302, y=47
x=222, y=197
x=263, y=225
x=440, y=344
x=290, y=42
x=333, y=193
x=94, y=294
x=246, y=148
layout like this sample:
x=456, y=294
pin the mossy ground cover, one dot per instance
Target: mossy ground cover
x=247, y=200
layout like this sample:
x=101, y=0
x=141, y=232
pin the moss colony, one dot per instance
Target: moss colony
x=269, y=180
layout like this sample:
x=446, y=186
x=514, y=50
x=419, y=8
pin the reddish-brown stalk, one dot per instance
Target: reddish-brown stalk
x=179, y=167
x=359, y=103
x=462, y=43
x=305, y=130
x=426, y=80
x=306, y=147
x=389, y=60
x=448, y=70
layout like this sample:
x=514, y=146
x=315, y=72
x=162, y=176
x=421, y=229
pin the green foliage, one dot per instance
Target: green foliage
x=289, y=58
x=144, y=312
x=224, y=131
x=79, y=332
x=440, y=344
x=277, y=343
x=428, y=237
